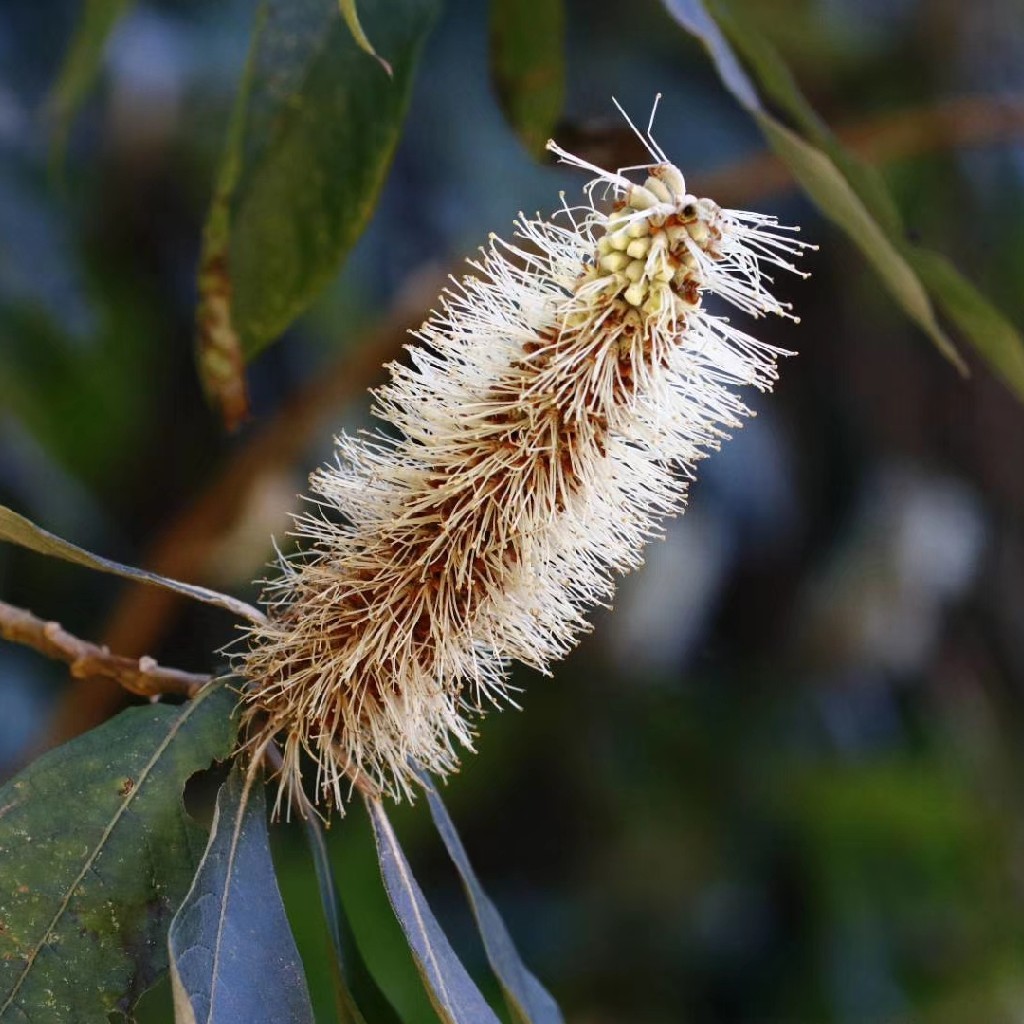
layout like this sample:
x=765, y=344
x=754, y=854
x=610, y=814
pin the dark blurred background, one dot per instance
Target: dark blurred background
x=783, y=780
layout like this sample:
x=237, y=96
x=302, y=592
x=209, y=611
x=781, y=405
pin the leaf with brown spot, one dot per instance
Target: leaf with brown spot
x=307, y=151
x=92, y=874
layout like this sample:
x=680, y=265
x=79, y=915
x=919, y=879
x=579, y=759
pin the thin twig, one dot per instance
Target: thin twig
x=953, y=123
x=142, y=676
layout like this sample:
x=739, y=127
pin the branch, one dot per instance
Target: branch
x=142, y=676
x=955, y=123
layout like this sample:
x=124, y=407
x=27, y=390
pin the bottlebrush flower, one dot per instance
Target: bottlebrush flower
x=551, y=416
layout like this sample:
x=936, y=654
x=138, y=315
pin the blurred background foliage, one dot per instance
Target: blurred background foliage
x=782, y=780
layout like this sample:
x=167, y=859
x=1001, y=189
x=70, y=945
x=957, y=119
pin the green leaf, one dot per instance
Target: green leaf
x=907, y=270
x=313, y=133
x=995, y=338
x=378, y=932
x=17, y=529
x=97, y=853
x=359, y=998
x=233, y=957
x=778, y=84
x=823, y=181
x=528, y=66
x=528, y=1000
x=833, y=195
x=694, y=17
x=453, y=992
x=81, y=65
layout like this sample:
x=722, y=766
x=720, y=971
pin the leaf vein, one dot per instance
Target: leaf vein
x=97, y=851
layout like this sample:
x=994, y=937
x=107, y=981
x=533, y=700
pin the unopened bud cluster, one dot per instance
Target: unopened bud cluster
x=648, y=257
x=562, y=395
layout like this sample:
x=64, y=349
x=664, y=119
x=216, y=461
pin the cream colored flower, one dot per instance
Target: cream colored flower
x=558, y=402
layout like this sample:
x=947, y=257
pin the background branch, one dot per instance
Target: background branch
x=142, y=676
x=955, y=123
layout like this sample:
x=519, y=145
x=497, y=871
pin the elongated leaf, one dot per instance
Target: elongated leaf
x=97, y=852
x=528, y=1000
x=452, y=991
x=82, y=64
x=694, y=17
x=359, y=999
x=321, y=129
x=998, y=341
x=17, y=529
x=995, y=338
x=777, y=83
x=832, y=194
x=823, y=181
x=314, y=131
x=376, y=927
x=232, y=954
x=528, y=65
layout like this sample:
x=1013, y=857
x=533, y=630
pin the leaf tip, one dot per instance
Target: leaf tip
x=351, y=16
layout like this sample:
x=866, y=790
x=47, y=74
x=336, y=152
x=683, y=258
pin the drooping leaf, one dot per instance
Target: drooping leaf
x=97, y=852
x=359, y=999
x=907, y=270
x=996, y=339
x=314, y=130
x=778, y=85
x=452, y=991
x=82, y=64
x=17, y=529
x=694, y=17
x=321, y=128
x=232, y=954
x=833, y=195
x=528, y=1000
x=821, y=179
x=377, y=930
x=528, y=66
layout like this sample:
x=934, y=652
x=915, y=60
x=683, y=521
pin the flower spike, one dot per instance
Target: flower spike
x=558, y=401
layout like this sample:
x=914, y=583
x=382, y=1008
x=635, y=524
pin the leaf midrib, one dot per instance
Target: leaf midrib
x=399, y=862
x=243, y=803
